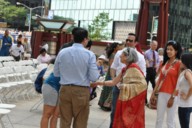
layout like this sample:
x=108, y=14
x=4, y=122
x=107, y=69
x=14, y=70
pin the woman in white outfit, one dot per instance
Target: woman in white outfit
x=184, y=88
x=166, y=85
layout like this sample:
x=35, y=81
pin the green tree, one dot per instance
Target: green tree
x=8, y=12
x=96, y=29
x=55, y=17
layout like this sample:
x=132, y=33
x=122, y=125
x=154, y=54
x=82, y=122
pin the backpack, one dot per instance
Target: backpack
x=39, y=81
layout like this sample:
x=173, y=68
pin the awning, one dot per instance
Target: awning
x=54, y=25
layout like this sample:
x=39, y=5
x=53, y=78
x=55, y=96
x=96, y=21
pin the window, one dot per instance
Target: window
x=118, y=4
x=53, y=5
x=67, y=14
x=87, y=2
x=108, y=4
x=116, y=16
x=128, y=15
x=111, y=14
x=95, y=13
x=113, y=4
x=83, y=4
x=98, y=5
x=70, y=4
x=122, y=15
x=92, y=4
x=90, y=15
x=78, y=5
x=124, y=4
x=130, y=4
x=81, y=15
x=85, y=15
x=103, y=2
x=75, y=14
x=136, y=4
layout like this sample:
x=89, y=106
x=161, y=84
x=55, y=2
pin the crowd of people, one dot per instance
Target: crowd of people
x=75, y=73
x=19, y=49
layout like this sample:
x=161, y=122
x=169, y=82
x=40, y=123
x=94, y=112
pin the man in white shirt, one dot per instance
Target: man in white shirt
x=17, y=51
x=117, y=66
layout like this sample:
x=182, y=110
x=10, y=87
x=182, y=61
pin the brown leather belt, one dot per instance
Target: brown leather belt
x=75, y=85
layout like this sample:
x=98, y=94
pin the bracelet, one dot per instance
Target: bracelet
x=172, y=96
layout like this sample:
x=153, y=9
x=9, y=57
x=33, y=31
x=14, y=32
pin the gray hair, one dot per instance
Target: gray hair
x=131, y=55
x=160, y=49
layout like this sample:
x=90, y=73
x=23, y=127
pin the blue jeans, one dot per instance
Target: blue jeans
x=184, y=116
x=114, y=101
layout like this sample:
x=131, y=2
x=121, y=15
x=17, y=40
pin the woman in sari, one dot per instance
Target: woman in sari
x=131, y=102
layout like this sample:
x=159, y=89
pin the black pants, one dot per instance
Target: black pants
x=17, y=58
x=151, y=75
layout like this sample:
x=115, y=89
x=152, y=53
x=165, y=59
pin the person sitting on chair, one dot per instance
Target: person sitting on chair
x=17, y=51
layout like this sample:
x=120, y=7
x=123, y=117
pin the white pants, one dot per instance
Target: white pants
x=162, y=108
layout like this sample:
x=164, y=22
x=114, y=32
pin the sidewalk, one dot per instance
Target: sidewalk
x=21, y=117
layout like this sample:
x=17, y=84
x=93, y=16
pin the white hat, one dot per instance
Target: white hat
x=102, y=57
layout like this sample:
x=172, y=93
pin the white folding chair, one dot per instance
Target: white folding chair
x=5, y=112
x=36, y=105
x=10, y=58
x=7, y=106
x=42, y=66
x=1, y=65
x=9, y=64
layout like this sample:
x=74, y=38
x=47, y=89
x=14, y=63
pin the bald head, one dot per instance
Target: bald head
x=153, y=45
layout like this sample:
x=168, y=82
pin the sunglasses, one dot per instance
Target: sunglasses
x=172, y=41
x=128, y=40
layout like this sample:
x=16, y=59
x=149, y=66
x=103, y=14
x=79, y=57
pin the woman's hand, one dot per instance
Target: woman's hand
x=183, y=96
x=170, y=102
x=153, y=99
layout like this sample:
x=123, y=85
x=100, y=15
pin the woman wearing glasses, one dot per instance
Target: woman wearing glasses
x=166, y=85
x=132, y=92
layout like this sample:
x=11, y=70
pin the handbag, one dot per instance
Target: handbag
x=153, y=101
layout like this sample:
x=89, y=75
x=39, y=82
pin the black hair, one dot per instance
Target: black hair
x=19, y=36
x=19, y=42
x=89, y=44
x=177, y=48
x=79, y=35
x=133, y=34
x=42, y=50
x=110, y=49
x=74, y=29
x=186, y=59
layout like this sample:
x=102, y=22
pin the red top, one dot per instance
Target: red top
x=170, y=81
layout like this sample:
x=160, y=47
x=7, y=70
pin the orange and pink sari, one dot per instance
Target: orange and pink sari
x=130, y=107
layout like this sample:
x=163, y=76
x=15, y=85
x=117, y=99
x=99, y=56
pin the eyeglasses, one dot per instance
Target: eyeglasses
x=129, y=40
x=172, y=41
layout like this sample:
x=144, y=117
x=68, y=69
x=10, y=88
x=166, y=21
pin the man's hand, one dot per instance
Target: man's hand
x=93, y=85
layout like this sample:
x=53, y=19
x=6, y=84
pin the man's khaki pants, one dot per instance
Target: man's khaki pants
x=74, y=104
